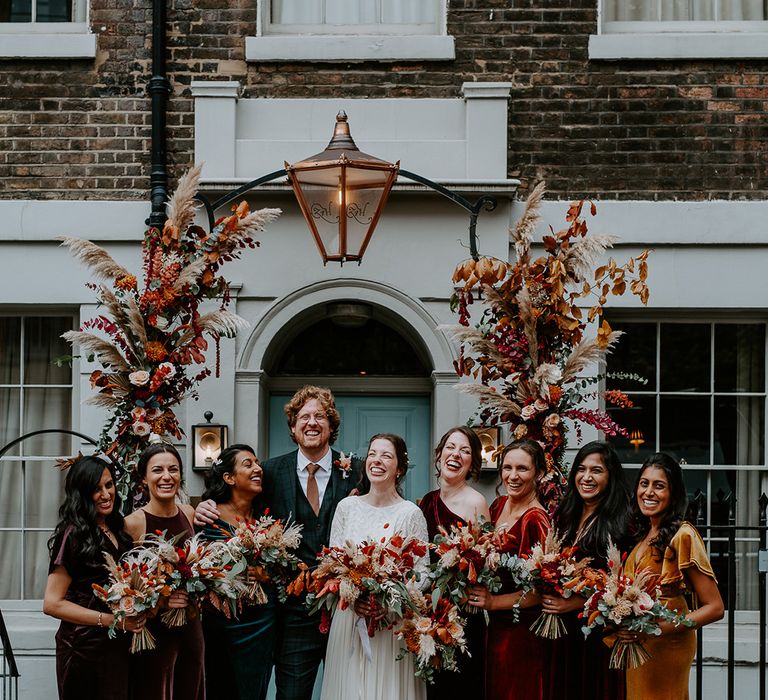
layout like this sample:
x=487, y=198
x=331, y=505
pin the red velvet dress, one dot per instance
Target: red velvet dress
x=463, y=683
x=516, y=660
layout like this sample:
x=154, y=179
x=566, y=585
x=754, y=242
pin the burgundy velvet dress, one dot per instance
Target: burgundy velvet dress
x=89, y=665
x=465, y=682
x=174, y=670
x=516, y=660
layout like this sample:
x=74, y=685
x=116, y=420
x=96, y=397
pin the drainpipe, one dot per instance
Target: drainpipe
x=159, y=88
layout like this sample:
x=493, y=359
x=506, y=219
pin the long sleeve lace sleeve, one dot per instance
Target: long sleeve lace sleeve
x=338, y=526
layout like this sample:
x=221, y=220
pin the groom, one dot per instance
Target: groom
x=305, y=486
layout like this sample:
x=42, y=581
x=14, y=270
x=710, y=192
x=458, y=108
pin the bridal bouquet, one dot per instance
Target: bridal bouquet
x=197, y=568
x=372, y=571
x=467, y=555
x=629, y=603
x=554, y=570
x=265, y=546
x=433, y=632
x=131, y=590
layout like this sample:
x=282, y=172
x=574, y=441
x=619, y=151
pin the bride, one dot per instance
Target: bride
x=381, y=512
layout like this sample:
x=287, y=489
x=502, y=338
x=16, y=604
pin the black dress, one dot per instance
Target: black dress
x=89, y=665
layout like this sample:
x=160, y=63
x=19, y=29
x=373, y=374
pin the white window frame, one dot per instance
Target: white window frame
x=748, y=616
x=49, y=39
x=386, y=43
x=677, y=40
x=23, y=603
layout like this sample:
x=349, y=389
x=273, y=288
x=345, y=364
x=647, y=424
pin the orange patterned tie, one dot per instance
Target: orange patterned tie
x=313, y=495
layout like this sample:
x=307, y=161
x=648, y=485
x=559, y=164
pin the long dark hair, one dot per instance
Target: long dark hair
x=674, y=515
x=611, y=517
x=474, y=443
x=216, y=488
x=77, y=513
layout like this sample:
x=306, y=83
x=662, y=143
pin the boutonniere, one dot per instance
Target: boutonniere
x=344, y=463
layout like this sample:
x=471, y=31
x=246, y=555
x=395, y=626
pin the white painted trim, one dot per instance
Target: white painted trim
x=222, y=88
x=496, y=91
x=678, y=46
x=37, y=220
x=417, y=322
x=349, y=48
x=58, y=45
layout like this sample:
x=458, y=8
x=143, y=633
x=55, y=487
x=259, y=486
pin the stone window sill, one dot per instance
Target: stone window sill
x=349, y=48
x=678, y=46
x=47, y=45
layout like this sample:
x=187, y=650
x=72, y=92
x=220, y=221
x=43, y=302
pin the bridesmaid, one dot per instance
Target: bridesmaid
x=515, y=658
x=458, y=457
x=238, y=652
x=89, y=665
x=673, y=549
x=174, y=670
x=594, y=509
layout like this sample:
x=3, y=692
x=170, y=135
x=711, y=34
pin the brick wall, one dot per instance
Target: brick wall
x=630, y=129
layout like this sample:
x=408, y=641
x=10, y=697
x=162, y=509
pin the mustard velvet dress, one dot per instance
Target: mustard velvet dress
x=665, y=675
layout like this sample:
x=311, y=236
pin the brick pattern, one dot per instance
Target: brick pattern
x=615, y=130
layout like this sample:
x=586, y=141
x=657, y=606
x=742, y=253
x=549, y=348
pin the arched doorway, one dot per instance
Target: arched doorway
x=379, y=372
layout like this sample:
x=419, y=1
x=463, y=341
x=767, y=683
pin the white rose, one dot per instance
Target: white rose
x=528, y=412
x=540, y=405
x=139, y=378
x=141, y=429
x=138, y=414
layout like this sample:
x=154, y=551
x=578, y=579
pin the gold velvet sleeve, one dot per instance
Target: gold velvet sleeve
x=686, y=549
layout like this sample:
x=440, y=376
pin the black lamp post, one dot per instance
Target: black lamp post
x=342, y=192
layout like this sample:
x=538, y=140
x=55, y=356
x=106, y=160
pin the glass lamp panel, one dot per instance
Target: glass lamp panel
x=322, y=205
x=362, y=205
x=684, y=427
x=685, y=357
x=739, y=357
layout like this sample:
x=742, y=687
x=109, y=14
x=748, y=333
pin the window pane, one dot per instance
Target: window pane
x=630, y=10
x=10, y=342
x=408, y=12
x=743, y=10
x=54, y=10
x=686, y=11
x=10, y=488
x=640, y=421
x=351, y=12
x=635, y=353
x=35, y=563
x=9, y=418
x=42, y=345
x=685, y=357
x=44, y=494
x=297, y=12
x=740, y=357
x=47, y=409
x=739, y=430
x=10, y=559
x=696, y=480
x=16, y=10
x=684, y=425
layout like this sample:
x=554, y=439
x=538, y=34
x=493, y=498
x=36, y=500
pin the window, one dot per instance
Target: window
x=35, y=394
x=351, y=30
x=705, y=403
x=45, y=29
x=681, y=29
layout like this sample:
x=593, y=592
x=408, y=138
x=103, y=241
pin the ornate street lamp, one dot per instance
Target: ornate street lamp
x=209, y=440
x=342, y=192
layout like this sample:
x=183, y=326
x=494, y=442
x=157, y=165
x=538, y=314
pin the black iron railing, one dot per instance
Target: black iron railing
x=9, y=671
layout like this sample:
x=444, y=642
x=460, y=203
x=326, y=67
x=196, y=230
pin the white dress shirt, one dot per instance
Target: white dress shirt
x=322, y=475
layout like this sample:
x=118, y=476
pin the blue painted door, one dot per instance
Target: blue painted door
x=364, y=416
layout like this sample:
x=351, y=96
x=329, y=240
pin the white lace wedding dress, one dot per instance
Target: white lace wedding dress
x=348, y=674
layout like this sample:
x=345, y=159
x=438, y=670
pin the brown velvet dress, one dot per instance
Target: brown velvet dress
x=515, y=658
x=466, y=682
x=89, y=665
x=174, y=670
x=665, y=675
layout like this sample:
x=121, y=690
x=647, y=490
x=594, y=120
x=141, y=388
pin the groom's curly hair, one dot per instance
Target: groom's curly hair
x=325, y=397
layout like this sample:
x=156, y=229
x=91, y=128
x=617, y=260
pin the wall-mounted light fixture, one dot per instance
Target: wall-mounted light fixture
x=210, y=439
x=489, y=439
x=636, y=439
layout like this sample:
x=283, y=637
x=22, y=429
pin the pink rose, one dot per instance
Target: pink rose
x=138, y=414
x=552, y=421
x=528, y=412
x=141, y=429
x=139, y=378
